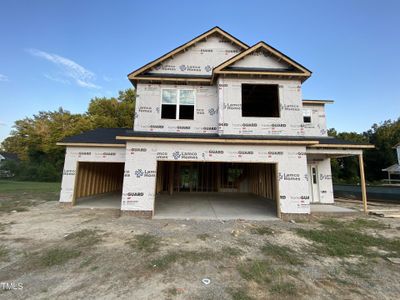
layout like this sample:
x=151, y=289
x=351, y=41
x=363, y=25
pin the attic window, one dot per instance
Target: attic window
x=260, y=100
x=177, y=104
x=307, y=116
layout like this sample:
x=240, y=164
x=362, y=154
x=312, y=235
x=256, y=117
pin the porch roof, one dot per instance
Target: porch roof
x=119, y=136
x=394, y=169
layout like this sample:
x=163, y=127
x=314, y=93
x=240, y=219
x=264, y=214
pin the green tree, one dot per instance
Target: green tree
x=113, y=112
x=383, y=136
x=345, y=169
x=35, y=138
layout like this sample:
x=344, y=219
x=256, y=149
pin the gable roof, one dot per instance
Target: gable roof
x=135, y=74
x=295, y=70
x=9, y=155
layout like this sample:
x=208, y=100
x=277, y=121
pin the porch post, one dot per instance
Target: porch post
x=362, y=177
x=171, y=171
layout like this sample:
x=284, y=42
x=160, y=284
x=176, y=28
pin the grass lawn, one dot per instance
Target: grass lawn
x=16, y=187
x=19, y=195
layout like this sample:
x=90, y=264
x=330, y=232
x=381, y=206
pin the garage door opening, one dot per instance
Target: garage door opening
x=99, y=185
x=216, y=190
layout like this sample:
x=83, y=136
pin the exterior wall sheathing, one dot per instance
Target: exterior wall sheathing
x=289, y=123
x=148, y=110
x=139, y=186
x=74, y=155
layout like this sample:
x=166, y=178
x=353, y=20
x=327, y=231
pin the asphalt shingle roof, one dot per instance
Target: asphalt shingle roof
x=108, y=136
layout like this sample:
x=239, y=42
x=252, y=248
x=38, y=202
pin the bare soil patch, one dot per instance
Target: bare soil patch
x=86, y=254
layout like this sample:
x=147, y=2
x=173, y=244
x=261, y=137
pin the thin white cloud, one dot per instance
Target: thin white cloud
x=3, y=77
x=82, y=76
x=56, y=79
x=107, y=79
x=83, y=83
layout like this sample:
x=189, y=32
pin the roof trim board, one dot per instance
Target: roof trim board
x=308, y=143
x=359, y=146
x=181, y=79
x=321, y=102
x=311, y=144
x=213, y=30
x=217, y=141
x=117, y=137
x=303, y=70
x=261, y=73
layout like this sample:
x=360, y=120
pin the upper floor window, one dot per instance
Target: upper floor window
x=177, y=104
x=307, y=115
x=260, y=100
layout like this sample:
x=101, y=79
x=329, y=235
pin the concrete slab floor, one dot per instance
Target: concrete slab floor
x=214, y=206
x=107, y=200
x=330, y=208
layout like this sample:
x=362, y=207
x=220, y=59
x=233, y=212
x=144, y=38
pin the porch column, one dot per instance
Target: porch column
x=171, y=177
x=362, y=177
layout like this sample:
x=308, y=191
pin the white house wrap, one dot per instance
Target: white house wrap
x=213, y=115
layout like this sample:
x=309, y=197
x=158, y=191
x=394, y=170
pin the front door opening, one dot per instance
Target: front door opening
x=313, y=183
x=203, y=189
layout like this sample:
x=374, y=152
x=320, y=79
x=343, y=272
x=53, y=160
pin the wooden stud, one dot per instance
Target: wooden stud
x=363, y=187
x=103, y=178
x=171, y=177
x=75, y=192
x=277, y=197
x=85, y=179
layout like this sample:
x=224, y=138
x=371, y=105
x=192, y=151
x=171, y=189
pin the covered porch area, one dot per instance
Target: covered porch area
x=321, y=152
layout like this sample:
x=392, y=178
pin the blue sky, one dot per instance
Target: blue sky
x=63, y=53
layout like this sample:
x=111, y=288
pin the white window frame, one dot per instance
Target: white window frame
x=307, y=113
x=178, y=104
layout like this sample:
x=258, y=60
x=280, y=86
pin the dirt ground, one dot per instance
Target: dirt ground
x=49, y=252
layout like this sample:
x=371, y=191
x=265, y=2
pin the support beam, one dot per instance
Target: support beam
x=171, y=177
x=362, y=177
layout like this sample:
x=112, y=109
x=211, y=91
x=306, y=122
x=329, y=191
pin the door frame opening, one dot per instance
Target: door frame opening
x=96, y=178
x=219, y=177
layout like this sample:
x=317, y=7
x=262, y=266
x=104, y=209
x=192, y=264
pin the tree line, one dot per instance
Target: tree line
x=384, y=136
x=34, y=140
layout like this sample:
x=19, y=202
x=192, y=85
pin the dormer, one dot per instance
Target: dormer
x=263, y=60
